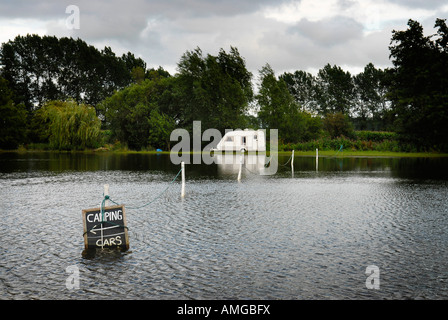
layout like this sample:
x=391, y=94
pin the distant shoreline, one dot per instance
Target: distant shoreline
x=322, y=153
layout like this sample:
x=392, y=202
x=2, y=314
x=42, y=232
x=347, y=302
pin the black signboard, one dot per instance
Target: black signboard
x=106, y=228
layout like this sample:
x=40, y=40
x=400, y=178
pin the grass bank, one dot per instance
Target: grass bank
x=370, y=154
x=297, y=153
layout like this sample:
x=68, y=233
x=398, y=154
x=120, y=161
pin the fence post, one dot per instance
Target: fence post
x=106, y=193
x=106, y=204
x=317, y=159
x=182, y=164
x=241, y=164
x=292, y=159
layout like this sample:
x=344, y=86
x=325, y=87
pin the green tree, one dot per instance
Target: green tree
x=157, y=73
x=338, y=124
x=160, y=128
x=274, y=100
x=127, y=113
x=68, y=125
x=313, y=127
x=279, y=110
x=371, y=103
x=12, y=119
x=419, y=85
x=215, y=90
x=334, y=90
x=46, y=68
x=302, y=85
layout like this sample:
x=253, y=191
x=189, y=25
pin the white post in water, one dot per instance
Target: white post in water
x=106, y=204
x=106, y=193
x=292, y=164
x=317, y=159
x=241, y=164
x=182, y=194
x=292, y=159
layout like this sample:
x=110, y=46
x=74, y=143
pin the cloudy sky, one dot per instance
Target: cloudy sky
x=288, y=34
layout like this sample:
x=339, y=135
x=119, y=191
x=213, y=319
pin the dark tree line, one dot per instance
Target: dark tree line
x=362, y=97
x=12, y=118
x=41, y=69
x=215, y=90
x=411, y=98
x=140, y=107
x=418, y=86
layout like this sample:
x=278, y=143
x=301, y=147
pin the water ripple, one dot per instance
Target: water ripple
x=307, y=236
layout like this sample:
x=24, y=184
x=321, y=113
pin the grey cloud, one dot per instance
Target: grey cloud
x=420, y=4
x=168, y=8
x=125, y=20
x=293, y=50
x=31, y=9
x=161, y=31
x=346, y=4
x=329, y=32
x=104, y=26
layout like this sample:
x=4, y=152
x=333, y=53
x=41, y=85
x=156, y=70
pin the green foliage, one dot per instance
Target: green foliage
x=13, y=119
x=362, y=97
x=335, y=89
x=278, y=110
x=371, y=91
x=139, y=107
x=215, y=90
x=361, y=141
x=274, y=100
x=160, y=130
x=303, y=87
x=69, y=125
x=134, y=113
x=419, y=85
x=338, y=124
x=46, y=68
x=375, y=136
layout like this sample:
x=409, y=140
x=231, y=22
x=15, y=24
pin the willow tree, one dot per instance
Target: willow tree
x=68, y=125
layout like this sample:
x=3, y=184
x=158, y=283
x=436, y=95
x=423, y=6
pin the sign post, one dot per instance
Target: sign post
x=105, y=228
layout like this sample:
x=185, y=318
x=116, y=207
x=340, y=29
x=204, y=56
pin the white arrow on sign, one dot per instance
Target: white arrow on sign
x=93, y=230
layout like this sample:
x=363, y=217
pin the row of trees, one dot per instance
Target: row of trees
x=216, y=90
x=140, y=107
x=41, y=69
x=363, y=96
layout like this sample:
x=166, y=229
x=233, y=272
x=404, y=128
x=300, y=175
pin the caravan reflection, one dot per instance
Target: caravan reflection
x=230, y=163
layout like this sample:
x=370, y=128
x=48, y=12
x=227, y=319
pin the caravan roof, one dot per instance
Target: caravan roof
x=247, y=140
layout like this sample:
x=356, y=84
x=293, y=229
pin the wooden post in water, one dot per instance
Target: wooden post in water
x=182, y=194
x=317, y=159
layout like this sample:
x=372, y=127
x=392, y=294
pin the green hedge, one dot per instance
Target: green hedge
x=363, y=141
x=375, y=136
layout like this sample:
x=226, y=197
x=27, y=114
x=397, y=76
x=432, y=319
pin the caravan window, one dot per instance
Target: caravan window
x=229, y=139
x=255, y=137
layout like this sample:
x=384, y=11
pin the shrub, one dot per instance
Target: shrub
x=375, y=136
x=338, y=124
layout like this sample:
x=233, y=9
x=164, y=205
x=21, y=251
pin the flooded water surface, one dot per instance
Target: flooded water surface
x=296, y=234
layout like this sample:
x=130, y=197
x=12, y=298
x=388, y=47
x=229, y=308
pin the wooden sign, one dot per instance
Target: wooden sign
x=105, y=229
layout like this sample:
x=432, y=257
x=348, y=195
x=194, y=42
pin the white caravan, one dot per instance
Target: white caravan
x=247, y=140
